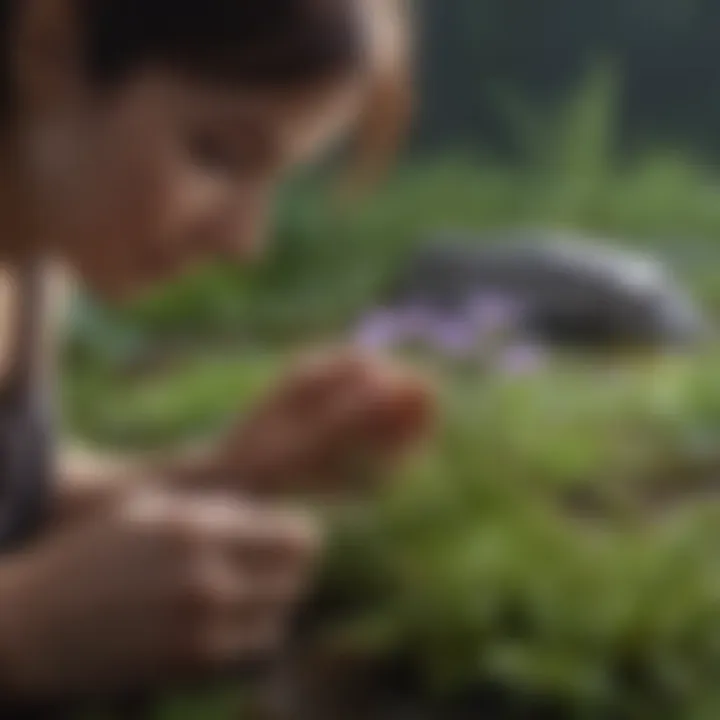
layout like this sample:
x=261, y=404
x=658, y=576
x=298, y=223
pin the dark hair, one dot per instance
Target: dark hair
x=264, y=42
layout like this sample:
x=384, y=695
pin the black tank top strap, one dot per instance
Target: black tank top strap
x=26, y=432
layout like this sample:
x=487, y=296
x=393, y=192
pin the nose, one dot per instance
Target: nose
x=234, y=229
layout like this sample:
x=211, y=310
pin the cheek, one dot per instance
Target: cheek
x=126, y=188
x=108, y=224
x=246, y=224
x=210, y=218
x=126, y=210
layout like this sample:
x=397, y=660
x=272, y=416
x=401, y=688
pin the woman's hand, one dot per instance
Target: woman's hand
x=330, y=426
x=162, y=587
x=336, y=423
x=88, y=483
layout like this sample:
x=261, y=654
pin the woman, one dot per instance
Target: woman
x=139, y=137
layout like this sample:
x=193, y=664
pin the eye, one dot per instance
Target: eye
x=211, y=152
x=235, y=153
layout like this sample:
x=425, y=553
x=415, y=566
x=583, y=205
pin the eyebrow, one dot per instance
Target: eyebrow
x=282, y=139
x=257, y=138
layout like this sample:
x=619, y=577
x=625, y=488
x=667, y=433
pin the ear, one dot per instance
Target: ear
x=47, y=54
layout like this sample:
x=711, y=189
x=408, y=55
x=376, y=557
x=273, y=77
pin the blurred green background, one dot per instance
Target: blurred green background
x=557, y=550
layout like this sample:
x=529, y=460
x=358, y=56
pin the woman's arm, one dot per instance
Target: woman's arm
x=329, y=419
x=125, y=600
x=90, y=479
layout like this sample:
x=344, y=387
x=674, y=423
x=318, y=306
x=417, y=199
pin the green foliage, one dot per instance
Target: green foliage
x=325, y=267
x=151, y=411
x=488, y=576
x=667, y=50
x=475, y=564
x=556, y=541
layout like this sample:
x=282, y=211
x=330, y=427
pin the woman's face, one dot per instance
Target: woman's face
x=137, y=186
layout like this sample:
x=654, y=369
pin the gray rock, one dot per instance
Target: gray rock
x=574, y=291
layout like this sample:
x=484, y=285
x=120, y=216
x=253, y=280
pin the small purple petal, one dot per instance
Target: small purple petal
x=454, y=337
x=522, y=360
x=493, y=312
x=416, y=322
x=378, y=331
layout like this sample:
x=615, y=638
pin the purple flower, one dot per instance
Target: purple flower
x=378, y=331
x=493, y=312
x=415, y=323
x=522, y=360
x=455, y=337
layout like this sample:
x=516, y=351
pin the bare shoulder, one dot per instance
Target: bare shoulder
x=60, y=288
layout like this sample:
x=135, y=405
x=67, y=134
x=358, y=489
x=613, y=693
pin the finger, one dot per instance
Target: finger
x=267, y=436
x=231, y=642
x=246, y=531
x=371, y=422
x=399, y=413
x=315, y=380
x=225, y=588
x=256, y=623
x=294, y=445
x=223, y=642
x=376, y=417
x=273, y=543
